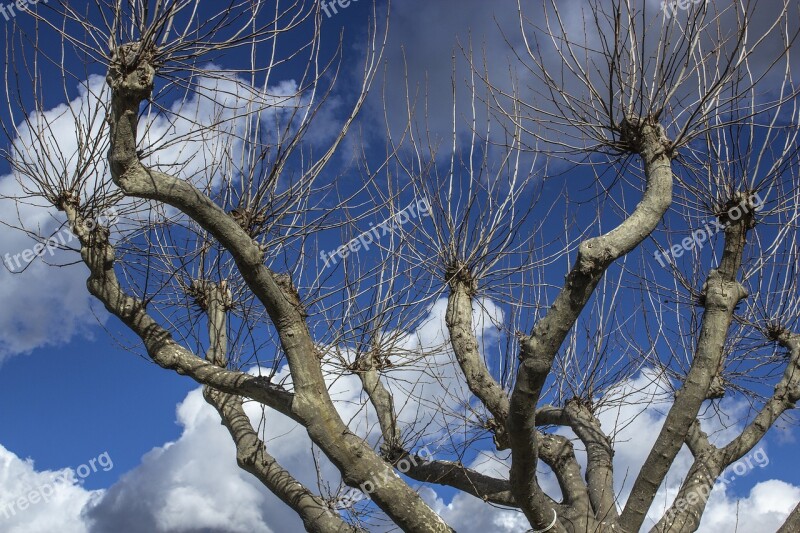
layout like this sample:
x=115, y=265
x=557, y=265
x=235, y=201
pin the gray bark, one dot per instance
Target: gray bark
x=131, y=77
x=465, y=346
x=539, y=349
x=792, y=523
x=723, y=293
x=687, y=510
x=251, y=452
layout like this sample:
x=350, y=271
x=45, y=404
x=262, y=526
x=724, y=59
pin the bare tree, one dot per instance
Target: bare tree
x=219, y=177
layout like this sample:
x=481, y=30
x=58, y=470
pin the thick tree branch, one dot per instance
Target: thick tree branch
x=557, y=453
x=697, y=440
x=599, y=453
x=131, y=77
x=538, y=350
x=98, y=255
x=251, y=452
x=784, y=398
x=456, y=475
x=792, y=523
x=465, y=346
x=252, y=456
x=450, y=473
x=687, y=510
x=721, y=295
x=381, y=400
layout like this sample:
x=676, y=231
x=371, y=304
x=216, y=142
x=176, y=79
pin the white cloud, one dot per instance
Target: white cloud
x=191, y=484
x=194, y=484
x=40, y=501
x=46, y=291
x=468, y=514
x=764, y=509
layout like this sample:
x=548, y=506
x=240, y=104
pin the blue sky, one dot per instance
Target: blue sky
x=76, y=385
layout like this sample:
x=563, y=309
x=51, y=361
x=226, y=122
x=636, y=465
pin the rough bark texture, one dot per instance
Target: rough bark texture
x=723, y=293
x=687, y=510
x=588, y=505
x=251, y=452
x=792, y=523
x=539, y=349
x=131, y=78
x=465, y=346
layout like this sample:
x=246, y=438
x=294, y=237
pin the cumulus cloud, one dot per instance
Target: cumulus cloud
x=34, y=501
x=46, y=291
x=192, y=484
x=468, y=514
x=764, y=509
x=633, y=413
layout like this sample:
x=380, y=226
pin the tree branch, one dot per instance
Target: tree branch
x=462, y=338
x=251, y=452
x=98, y=254
x=687, y=510
x=722, y=293
x=131, y=77
x=594, y=256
